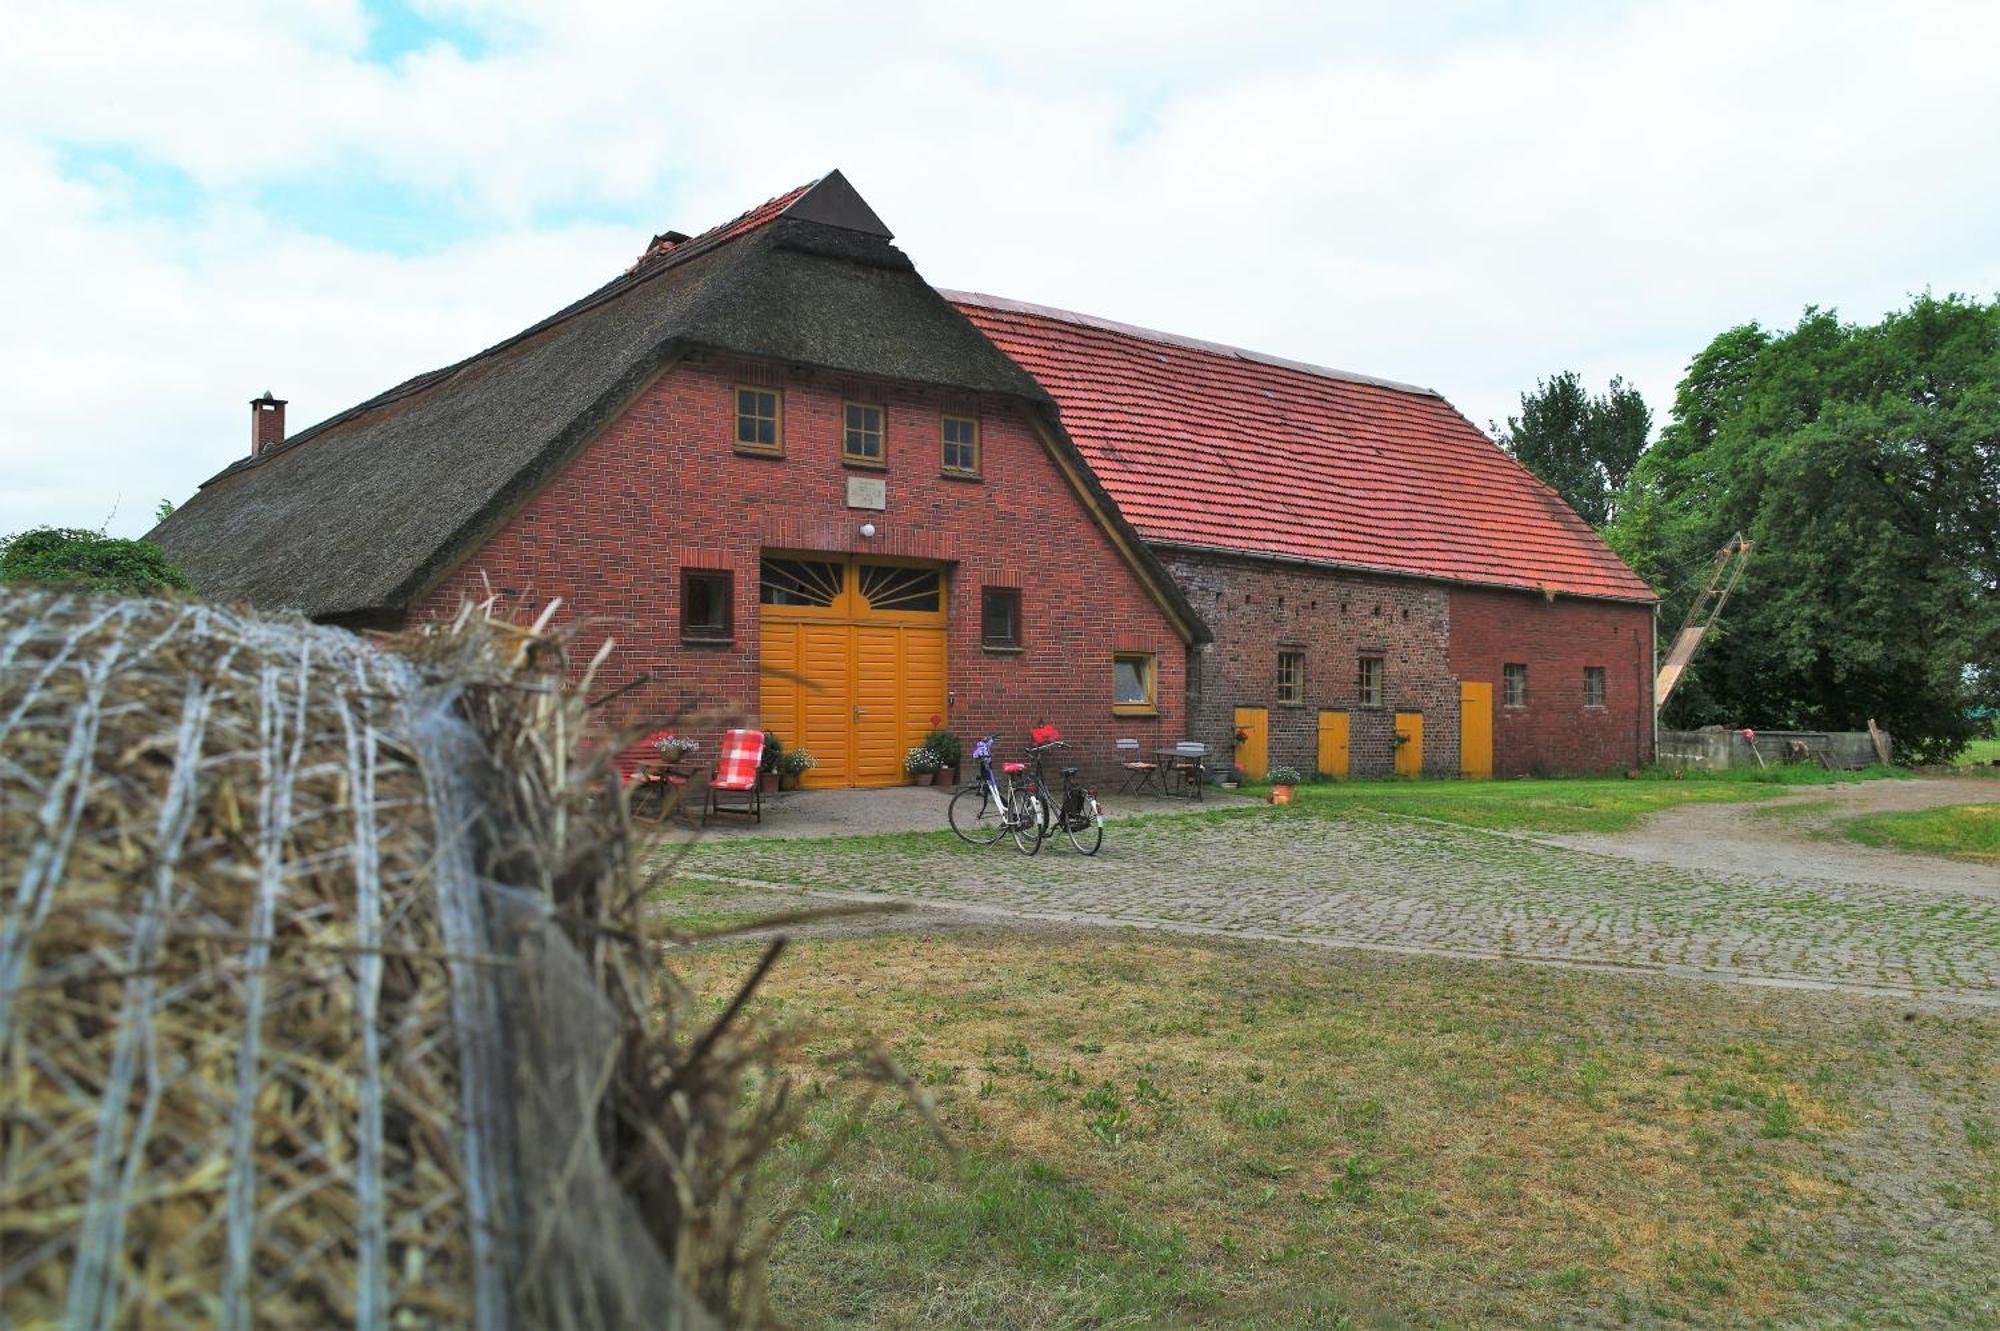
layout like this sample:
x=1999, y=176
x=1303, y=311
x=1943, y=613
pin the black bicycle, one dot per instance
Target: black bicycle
x=991, y=808
x=1075, y=812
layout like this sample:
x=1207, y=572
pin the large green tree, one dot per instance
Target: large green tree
x=1864, y=463
x=71, y=557
x=1584, y=446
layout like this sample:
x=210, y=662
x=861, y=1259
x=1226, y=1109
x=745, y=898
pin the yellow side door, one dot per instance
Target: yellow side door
x=1475, y=730
x=1410, y=745
x=826, y=702
x=1253, y=754
x=924, y=683
x=1333, y=745
x=878, y=706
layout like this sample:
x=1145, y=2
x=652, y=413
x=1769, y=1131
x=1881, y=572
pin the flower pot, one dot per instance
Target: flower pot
x=767, y=783
x=945, y=776
x=921, y=778
x=788, y=781
x=1281, y=794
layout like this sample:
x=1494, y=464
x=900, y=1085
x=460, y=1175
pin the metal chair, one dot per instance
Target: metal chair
x=1140, y=774
x=1187, y=764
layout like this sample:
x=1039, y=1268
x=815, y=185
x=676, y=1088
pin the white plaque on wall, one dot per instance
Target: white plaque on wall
x=867, y=492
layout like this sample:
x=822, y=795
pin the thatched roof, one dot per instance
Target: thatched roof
x=356, y=517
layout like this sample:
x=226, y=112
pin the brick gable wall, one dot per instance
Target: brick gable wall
x=1556, y=640
x=663, y=488
x=1258, y=608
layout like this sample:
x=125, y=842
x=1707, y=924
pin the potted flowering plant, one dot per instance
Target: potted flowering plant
x=1234, y=778
x=945, y=745
x=768, y=770
x=675, y=748
x=1282, y=780
x=795, y=764
x=921, y=764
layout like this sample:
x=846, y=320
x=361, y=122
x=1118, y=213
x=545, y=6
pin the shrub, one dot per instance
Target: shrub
x=1285, y=776
x=920, y=760
x=945, y=745
x=71, y=557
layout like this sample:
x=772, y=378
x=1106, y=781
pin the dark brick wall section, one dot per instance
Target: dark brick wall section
x=1556, y=639
x=1258, y=608
x=663, y=489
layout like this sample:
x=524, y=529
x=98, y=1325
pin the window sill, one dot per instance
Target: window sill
x=1001, y=649
x=950, y=475
x=707, y=642
x=1135, y=713
x=863, y=464
x=751, y=451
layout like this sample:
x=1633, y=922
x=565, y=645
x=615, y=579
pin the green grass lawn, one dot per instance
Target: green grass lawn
x=1147, y=1131
x=1566, y=804
x=1963, y=831
x=1981, y=752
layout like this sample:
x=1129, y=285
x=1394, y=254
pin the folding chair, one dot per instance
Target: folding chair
x=1188, y=754
x=736, y=777
x=1139, y=774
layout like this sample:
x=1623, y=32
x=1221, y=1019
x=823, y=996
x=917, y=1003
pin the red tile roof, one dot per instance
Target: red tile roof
x=1212, y=446
x=679, y=246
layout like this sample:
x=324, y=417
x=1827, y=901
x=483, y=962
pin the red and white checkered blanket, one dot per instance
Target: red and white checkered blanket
x=742, y=755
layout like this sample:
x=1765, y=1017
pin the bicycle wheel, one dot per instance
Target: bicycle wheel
x=975, y=816
x=1025, y=821
x=1085, y=827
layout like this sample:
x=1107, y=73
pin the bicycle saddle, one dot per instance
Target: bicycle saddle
x=1013, y=767
x=1071, y=771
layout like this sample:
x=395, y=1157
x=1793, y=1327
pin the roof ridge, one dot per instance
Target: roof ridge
x=985, y=301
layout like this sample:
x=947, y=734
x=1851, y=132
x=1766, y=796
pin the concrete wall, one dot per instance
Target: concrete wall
x=1719, y=750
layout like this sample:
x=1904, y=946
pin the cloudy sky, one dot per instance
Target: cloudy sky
x=209, y=198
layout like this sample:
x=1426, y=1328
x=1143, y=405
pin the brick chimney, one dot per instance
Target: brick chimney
x=267, y=423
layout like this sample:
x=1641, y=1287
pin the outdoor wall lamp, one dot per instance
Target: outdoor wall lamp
x=867, y=529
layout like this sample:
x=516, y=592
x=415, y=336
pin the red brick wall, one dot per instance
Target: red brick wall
x=1258, y=608
x=663, y=488
x=1556, y=639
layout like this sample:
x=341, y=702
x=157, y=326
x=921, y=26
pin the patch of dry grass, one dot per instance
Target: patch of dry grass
x=1156, y=1130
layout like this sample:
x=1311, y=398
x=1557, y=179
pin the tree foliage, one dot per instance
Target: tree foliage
x=1585, y=447
x=1864, y=463
x=71, y=557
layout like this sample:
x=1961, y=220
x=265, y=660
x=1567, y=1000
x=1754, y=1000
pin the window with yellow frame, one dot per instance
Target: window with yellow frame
x=961, y=446
x=861, y=434
x=760, y=420
x=1134, y=682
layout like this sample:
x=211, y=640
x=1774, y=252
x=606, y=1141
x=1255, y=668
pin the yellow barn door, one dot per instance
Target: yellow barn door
x=1253, y=754
x=853, y=662
x=1475, y=730
x=1409, y=744
x=1333, y=745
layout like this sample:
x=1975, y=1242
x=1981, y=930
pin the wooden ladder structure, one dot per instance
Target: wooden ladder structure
x=1701, y=617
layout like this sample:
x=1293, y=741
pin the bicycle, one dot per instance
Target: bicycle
x=985, y=811
x=1076, y=814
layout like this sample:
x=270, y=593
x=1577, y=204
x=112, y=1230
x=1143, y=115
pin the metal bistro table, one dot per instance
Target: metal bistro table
x=1180, y=771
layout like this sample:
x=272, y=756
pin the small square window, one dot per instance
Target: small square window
x=1133, y=682
x=1514, y=685
x=1291, y=677
x=759, y=416
x=961, y=445
x=1000, y=616
x=1593, y=686
x=1368, y=682
x=861, y=439
x=707, y=606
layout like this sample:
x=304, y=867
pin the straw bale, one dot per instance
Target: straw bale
x=324, y=997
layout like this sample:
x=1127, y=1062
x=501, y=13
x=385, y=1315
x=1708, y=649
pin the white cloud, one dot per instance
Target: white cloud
x=1448, y=198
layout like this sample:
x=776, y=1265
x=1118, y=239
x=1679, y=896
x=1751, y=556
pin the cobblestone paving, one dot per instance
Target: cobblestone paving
x=1424, y=887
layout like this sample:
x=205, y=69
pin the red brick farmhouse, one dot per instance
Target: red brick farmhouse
x=788, y=476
